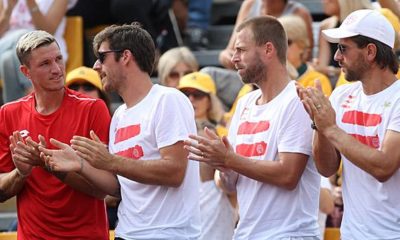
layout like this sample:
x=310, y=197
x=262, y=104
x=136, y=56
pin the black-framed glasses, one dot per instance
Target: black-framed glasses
x=87, y=87
x=102, y=55
x=342, y=48
x=196, y=94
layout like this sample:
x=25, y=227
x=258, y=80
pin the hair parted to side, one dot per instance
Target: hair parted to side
x=30, y=41
x=267, y=29
x=385, y=56
x=130, y=37
x=171, y=58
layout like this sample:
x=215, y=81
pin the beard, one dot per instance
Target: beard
x=255, y=72
x=356, y=72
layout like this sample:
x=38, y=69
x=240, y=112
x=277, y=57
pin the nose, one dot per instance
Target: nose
x=235, y=57
x=338, y=55
x=97, y=65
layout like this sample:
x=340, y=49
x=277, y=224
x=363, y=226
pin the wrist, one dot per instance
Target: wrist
x=21, y=174
x=81, y=167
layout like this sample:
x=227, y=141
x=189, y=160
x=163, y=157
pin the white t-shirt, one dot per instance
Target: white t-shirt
x=372, y=208
x=21, y=19
x=162, y=118
x=260, y=132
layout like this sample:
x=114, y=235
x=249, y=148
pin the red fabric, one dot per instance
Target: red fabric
x=48, y=208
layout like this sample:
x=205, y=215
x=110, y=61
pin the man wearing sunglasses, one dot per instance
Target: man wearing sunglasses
x=51, y=204
x=360, y=126
x=145, y=164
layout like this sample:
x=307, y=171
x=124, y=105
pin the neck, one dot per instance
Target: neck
x=136, y=88
x=377, y=80
x=275, y=81
x=48, y=102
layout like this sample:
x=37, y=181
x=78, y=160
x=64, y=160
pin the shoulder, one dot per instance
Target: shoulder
x=329, y=22
x=17, y=105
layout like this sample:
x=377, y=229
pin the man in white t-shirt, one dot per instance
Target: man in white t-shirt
x=267, y=157
x=360, y=125
x=147, y=165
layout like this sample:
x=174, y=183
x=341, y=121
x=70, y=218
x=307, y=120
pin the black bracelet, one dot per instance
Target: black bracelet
x=313, y=126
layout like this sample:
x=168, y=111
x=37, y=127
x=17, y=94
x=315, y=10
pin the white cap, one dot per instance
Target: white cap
x=365, y=22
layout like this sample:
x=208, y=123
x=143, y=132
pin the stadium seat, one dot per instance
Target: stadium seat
x=74, y=38
x=8, y=235
x=332, y=234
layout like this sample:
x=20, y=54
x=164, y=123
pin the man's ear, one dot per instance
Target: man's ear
x=25, y=70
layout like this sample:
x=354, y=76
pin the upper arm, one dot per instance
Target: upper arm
x=176, y=156
x=294, y=165
x=55, y=14
x=390, y=147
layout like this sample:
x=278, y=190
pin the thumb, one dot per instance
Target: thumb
x=58, y=144
x=42, y=141
x=95, y=137
x=225, y=141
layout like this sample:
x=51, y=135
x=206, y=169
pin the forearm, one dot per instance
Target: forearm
x=79, y=183
x=5, y=15
x=266, y=171
x=50, y=21
x=154, y=172
x=326, y=157
x=392, y=5
x=379, y=164
x=10, y=184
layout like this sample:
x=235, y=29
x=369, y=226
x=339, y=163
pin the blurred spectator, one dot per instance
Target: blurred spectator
x=199, y=13
x=87, y=81
x=217, y=213
x=298, y=46
x=17, y=18
x=326, y=204
x=153, y=15
x=276, y=8
x=174, y=64
x=337, y=10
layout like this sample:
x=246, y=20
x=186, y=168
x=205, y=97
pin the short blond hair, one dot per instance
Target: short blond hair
x=31, y=41
x=296, y=29
x=171, y=58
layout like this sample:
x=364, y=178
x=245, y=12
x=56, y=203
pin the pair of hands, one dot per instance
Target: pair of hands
x=317, y=106
x=28, y=154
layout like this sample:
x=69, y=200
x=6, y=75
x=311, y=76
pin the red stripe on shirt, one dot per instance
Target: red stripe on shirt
x=361, y=118
x=372, y=141
x=251, y=150
x=126, y=133
x=253, y=127
x=135, y=152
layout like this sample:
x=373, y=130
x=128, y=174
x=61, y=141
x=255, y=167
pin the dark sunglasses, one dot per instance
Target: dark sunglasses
x=342, y=48
x=87, y=87
x=195, y=94
x=102, y=55
x=175, y=74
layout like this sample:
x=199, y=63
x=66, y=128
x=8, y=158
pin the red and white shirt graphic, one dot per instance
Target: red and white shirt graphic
x=260, y=132
x=372, y=208
x=163, y=118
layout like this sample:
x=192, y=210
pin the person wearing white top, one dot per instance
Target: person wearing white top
x=360, y=125
x=267, y=157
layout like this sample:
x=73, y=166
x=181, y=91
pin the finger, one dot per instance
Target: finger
x=210, y=134
x=58, y=144
x=200, y=139
x=33, y=145
x=197, y=158
x=47, y=151
x=226, y=142
x=193, y=150
x=17, y=136
x=317, y=84
x=42, y=141
x=95, y=137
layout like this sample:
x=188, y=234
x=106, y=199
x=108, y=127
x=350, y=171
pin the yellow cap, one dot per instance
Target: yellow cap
x=199, y=81
x=82, y=74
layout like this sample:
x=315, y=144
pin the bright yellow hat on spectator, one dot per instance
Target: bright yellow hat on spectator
x=199, y=81
x=82, y=74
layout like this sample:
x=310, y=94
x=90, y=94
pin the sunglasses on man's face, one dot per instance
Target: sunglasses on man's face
x=342, y=48
x=176, y=74
x=102, y=55
x=195, y=94
x=87, y=87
